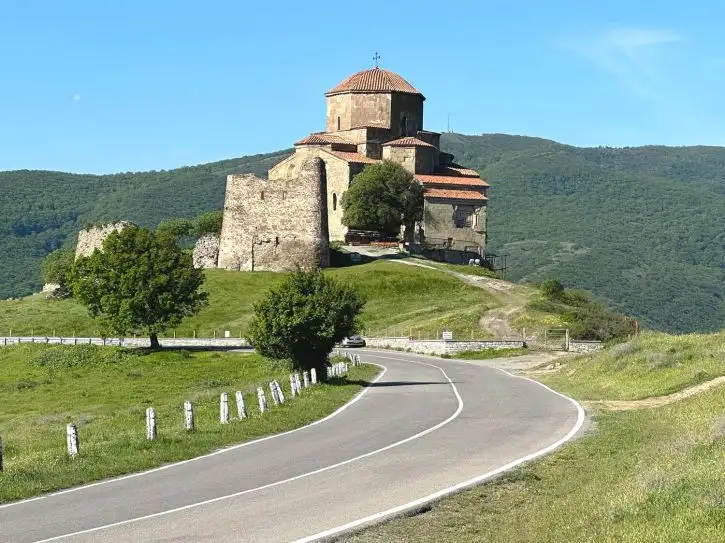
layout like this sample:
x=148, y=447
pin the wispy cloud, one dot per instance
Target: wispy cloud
x=76, y=97
x=632, y=55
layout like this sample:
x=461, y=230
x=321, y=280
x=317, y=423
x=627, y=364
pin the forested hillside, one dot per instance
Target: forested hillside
x=642, y=228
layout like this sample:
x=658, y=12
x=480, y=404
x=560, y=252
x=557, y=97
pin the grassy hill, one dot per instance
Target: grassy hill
x=641, y=228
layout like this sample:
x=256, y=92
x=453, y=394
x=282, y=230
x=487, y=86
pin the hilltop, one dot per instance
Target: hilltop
x=641, y=228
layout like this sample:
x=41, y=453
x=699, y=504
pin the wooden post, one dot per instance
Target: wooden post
x=150, y=423
x=241, y=408
x=567, y=339
x=273, y=393
x=1, y=454
x=306, y=379
x=292, y=385
x=71, y=438
x=313, y=376
x=224, y=408
x=261, y=398
x=280, y=394
x=188, y=416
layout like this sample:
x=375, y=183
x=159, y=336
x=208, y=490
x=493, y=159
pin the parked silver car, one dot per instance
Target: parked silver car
x=353, y=341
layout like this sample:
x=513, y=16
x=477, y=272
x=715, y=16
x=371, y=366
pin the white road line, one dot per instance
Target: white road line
x=371, y=519
x=297, y=477
x=215, y=453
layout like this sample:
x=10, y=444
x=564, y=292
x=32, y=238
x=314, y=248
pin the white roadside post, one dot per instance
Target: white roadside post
x=292, y=385
x=313, y=376
x=241, y=408
x=298, y=384
x=150, y=423
x=306, y=379
x=262, y=399
x=280, y=394
x=71, y=438
x=273, y=393
x=224, y=408
x=188, y=416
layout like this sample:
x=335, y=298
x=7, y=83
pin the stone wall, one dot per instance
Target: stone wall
x=228, y=343
x=410, y=107
x=276, y=225
x=405, y=156
x=91, y=239
x=438, y=225
x=206, y=251
x=581, y=346
x=438, y=346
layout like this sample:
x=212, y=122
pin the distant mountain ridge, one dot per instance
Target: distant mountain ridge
x=642, y=228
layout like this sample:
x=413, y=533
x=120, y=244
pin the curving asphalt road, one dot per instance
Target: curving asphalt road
x=426, y=427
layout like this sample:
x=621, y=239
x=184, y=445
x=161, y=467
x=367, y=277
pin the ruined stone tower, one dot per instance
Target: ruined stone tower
x=276, y=225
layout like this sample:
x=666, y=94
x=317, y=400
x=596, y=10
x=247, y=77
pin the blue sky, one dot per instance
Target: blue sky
x=101, y=86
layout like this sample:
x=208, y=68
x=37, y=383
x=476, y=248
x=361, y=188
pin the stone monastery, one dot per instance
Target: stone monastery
x=289, y=219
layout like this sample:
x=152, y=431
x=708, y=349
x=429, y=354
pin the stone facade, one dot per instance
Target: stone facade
x=439, y=346
x=206, y=251
x=92, y=238
x=276, y=224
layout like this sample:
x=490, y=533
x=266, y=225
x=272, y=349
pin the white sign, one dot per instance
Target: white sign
x=448, y=336
x=227, y=333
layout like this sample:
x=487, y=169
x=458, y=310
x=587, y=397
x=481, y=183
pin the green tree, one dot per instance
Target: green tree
x=208, y=223
x=140, y=283
x=175, y=228
x=303, y=318
x=57, y=267
x=551, y=289
x=382, y=198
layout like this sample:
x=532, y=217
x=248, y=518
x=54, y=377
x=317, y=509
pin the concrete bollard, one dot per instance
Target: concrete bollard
x=306, y=379
x=280, y=394
x=292, y=385
x=188, y=416
x=150, y=423
x=71, y=438
x=262, y=399
x=313, y=376
x=273, y=393
x=224, y=408
x=298, y=384
x=241, y=408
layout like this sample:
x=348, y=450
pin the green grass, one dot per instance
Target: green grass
x=105, y=392
x=400, y=298
x=639, y=476
x=652, y=364
x=486, y=354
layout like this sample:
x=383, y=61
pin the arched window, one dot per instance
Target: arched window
x=338, y=123
x=261, y=195
x=334, y=201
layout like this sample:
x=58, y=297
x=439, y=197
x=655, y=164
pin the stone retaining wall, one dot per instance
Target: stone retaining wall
x=581, y=346
x=439, y=346
x=127, y=342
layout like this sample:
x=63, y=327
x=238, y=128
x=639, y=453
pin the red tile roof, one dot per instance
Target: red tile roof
x=455, y=169
x=455, y=180
x=455, y=194
x=374, y=81
x=321, y=139
x=355, y=158
x=408, y=142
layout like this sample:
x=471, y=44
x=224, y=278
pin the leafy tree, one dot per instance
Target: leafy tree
x=140, y=283
x=56, y=269
x=382, y=198
x=208, y=223
x=175, y=228
x=303, y=318
x=551, y=289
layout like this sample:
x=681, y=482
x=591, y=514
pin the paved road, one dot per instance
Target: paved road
x=424, y=426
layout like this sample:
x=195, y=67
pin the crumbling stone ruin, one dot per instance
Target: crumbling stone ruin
x=92, y=238
x=276, y=225
x=206, y=251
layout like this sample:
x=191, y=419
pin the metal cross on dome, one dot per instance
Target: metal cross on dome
x=376, y=58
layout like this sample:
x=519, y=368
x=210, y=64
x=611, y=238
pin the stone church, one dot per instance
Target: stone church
x=287, y=220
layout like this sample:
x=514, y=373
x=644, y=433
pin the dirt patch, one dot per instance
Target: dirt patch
x=657, y=401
